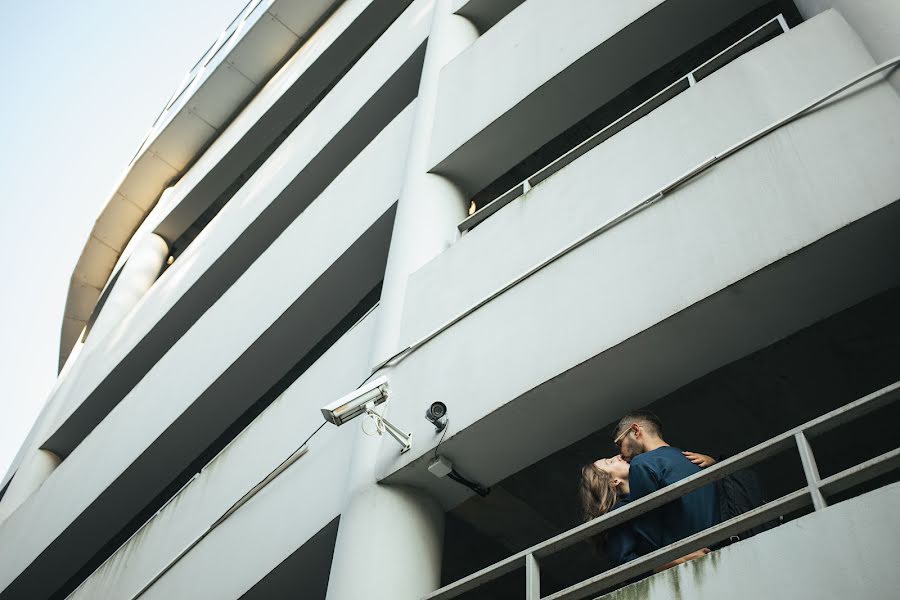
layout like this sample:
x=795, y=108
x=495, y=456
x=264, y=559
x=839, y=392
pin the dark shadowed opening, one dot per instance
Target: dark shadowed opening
x=816, y=370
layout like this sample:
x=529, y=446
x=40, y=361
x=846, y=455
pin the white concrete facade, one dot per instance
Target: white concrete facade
x=328, y=194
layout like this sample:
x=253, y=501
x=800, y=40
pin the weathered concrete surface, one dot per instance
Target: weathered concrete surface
x=845, y=551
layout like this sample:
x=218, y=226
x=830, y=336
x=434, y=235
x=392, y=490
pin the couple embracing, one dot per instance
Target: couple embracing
x=646, y=463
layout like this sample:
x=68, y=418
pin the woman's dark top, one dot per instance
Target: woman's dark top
x=622, y=541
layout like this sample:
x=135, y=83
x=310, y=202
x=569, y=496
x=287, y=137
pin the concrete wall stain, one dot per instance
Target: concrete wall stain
x=639, y=590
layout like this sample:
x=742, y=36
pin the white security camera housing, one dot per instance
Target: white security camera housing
x=363, y=402
x=357, y=402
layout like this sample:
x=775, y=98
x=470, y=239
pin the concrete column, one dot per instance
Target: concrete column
x=31, y=474
x=877, y=22
x=430, y=206
x=390, y=538
x=138, y=274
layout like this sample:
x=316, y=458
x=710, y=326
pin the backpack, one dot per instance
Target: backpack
x=738, y=493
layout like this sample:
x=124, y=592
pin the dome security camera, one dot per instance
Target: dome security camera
x=437, y=415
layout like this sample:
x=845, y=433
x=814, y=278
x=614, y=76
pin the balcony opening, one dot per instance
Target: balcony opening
x=643, y=97
x=484, y=14
x=181, y=479
x=6, y=487
x=762, y=395
x=210, y=194
x=101, y=302
x=190, y=233
x=308, y=569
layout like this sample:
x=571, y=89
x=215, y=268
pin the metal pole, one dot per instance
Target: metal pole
x=532, y=578
x=811, y=470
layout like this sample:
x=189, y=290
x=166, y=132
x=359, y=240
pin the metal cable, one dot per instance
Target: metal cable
x=639, y=207
x=287, y=462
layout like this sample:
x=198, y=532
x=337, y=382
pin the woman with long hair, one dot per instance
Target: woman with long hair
x=604, y=487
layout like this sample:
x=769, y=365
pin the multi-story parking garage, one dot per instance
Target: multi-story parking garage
x=541, y=213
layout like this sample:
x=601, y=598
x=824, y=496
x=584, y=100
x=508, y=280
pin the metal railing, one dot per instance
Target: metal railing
x=769, y=30
x=822, y=101
x=815, y=493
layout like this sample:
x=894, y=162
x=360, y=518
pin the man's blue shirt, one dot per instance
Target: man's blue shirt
x=679, y=518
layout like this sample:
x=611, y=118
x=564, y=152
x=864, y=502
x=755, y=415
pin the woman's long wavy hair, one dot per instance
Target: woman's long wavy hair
x=598, y=495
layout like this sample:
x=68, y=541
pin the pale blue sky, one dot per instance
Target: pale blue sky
x=82, y=81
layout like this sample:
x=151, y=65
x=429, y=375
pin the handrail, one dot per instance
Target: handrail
x=776, y=25
x=642, y=205
x=758, y=516
x=799, y=499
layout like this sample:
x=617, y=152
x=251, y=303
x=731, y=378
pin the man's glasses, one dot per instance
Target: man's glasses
x=618, y=440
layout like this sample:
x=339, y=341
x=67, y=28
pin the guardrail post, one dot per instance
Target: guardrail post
x=532, y=578
x=783, y=22
x=811, y=470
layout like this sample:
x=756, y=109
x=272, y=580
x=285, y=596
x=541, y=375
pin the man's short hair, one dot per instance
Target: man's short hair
x=644, y=418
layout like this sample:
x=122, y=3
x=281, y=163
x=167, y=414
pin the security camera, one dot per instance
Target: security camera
x=437, y=415
x=356, y=402
x=363, y=401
